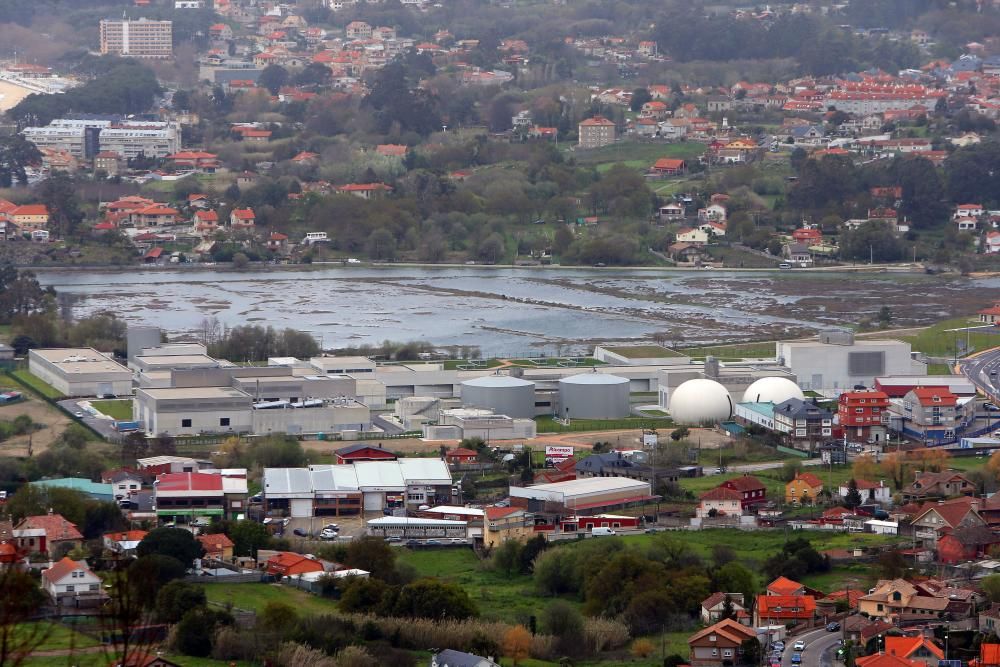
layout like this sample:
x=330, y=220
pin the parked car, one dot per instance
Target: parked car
x=300, y=532
x=202, y=522
x=799, y=646
x=394, y=539
x=992, y=407
x=412, y=543
x=78, y=414
x=796, y=658
x=433, y=543
x=327, y=534
x=832, y=627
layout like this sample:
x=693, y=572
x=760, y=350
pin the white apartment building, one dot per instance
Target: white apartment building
x=86, y=137
x=142, y=38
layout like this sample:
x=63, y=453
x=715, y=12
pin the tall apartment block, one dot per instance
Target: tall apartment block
x=141, y=38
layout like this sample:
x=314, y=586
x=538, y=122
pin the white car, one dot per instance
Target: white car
x=799, y=645
x=327, y=534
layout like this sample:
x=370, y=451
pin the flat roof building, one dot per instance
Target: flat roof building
x=837, y=362
x=142, y=38
x=589, y=495
x=193, y=410
x=81, y=371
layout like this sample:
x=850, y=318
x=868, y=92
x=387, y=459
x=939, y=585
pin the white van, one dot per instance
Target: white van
x=598, y=531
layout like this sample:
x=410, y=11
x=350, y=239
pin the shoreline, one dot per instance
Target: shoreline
x=908, y=268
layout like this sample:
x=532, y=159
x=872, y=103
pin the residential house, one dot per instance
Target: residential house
x=807, y=235
x=358, y=30
x=206, y=223
x=966, y=217
x=362, y=452
x=109, y=162
x=804, y=489
x=277, y=242
x=864, y=415
x=201, y=161
x=30, y=217
x=991, y=243
x=670, y=212
x=689, y=235
x=217, y=546
x=752, y=490
x=461, y=455
x=784, y=609
x=47, y=534
x=797, y=253
x=393, y=150
x=288, y=564
x=688, y=253
x=669, y=167
x=451, y=658
x=938, y=485
x=507, y=523
x=596, y=132
x=714, y=606
x=989, y=654
x=71, y=583
x=870, y=492
x=123, y=543
x=723, y=643
x=935, y=519
x=933, y=414
x=720, y=501
x=965, y=544
x=242, y=218
x=124, y=482
x=803, y=422
x=366, y=190
x=898, y=599
x=785, y=586
x=990, y=315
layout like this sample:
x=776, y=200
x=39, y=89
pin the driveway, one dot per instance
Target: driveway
x=95, y=420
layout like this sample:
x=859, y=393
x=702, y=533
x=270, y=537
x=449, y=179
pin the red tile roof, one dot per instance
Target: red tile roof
x=786, y=606
x=728, y=628
x=721, y=493
x=62, y=568
x=935, y=396
x=745, y=483
x=460, y=452
x=215, y=543
x=244, y=213
x=904, y=647
x=494, y=513
x=31, y=209
x=784, y=586
x=952, y=511
x=597, y=120
x=55, y=526
x=812, y=480
x=188, y=481
x=126, y=536
x=886, y=660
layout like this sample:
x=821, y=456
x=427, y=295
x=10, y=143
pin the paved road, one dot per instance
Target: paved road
x=819, y=652
x=979, y=368
x=101, y=424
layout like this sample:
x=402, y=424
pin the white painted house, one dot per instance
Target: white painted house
x=69, y=580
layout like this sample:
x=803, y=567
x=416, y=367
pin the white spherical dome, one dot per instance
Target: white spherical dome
x=772, y=390
x=699, y=401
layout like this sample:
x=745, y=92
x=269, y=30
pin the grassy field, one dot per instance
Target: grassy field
x=842, y=577
x=510, y=599
x=255, y=596
x=637, y=155
x=736, y=258
x=550, y=425
x=54, y=636
x=940, y=369
x=36, y=384
x=734, y=351
x=938, y=341
x=116, y=409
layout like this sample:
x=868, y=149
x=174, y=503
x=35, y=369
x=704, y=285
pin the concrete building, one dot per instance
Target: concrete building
x=142, y=38
x=933, y=414
x=193, y=410
x=407, y=527
x=185, y=496
x=85, y=138
x=462, y=423
x=837, y=362
x=337, y=490
x=80, y=371
x=596, y=132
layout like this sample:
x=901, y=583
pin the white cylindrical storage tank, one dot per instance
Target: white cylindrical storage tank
x=700, y=401
x=503, y=394
x=772, y=390
x=594, y=396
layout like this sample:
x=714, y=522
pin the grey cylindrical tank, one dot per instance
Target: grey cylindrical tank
x=503, y=394
x=594, y=396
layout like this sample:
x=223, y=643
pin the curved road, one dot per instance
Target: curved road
x=979, y=368
x=820, y=648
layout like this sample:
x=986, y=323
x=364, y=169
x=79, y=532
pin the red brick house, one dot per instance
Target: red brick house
x=461, y=455
x=753, y=490
x=362, y=452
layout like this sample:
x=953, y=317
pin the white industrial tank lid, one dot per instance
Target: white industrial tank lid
x=772, y=390
x=700, y=400
x=594, y=378
x=498, y=381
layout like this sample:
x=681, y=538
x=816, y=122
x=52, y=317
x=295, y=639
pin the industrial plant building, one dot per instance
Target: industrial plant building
x=343, y=490
x=80, y=371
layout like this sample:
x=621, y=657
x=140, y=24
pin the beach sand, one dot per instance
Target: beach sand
x=10, y=95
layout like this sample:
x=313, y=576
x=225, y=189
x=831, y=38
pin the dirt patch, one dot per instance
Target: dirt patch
x=53, y=421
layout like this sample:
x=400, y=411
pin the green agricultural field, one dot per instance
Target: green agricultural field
x=53, y=636
x=36, y=384
x=642, y=155
x=841, y=577
x=255, y=596
x=512, y=599
x=116, y=409
x=938, y=341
